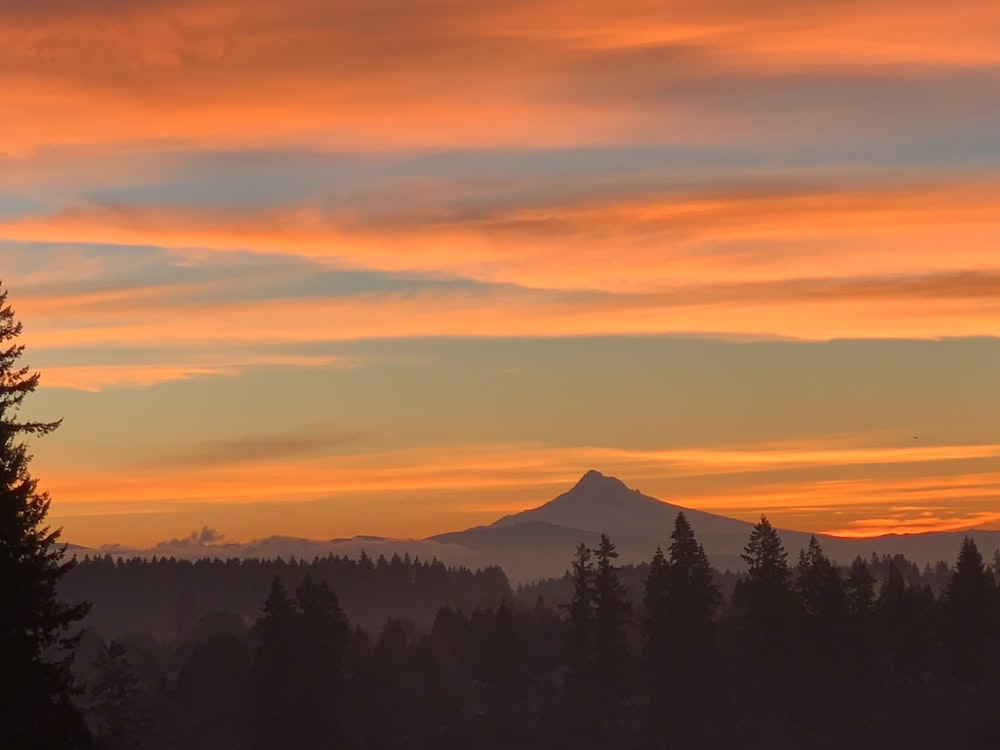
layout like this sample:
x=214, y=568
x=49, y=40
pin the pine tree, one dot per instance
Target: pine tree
x=766, y=558
x=820, y=585
x=860, y=589
x=115, y=693
x=611, y=610
x=823, y=667
x=970, y=615
x=611, y=659
x=274, y=676
x=36, y=650
x=681, y=599
x=693, y=594
x=320, y=650
x=580, y=627
x=766, y=611
x=656, y=604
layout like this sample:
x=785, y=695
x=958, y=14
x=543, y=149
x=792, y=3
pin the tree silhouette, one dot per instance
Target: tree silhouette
x=115, y=693
x=35, y=647
x=820, y=585
x=820, y=638
x=319, y=651
x=860, y=589
x=580, y=627
x=970, y=617
x=611, y=616
x=681, y=600
x=766, y=609
x=274, y=676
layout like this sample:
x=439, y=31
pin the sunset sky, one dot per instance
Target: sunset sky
x=329, y=267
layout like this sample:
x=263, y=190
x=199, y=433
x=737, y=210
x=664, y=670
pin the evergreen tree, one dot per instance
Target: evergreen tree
x=656, y=605
x=323, y=635
x=970, y=616
x=969, y=595
x=860, y=589
x=766, y=610
x=274, y=677
x=820, y=639
x=820, y=585
x=580, y=627
x=681, y=599
x=36, y=685
x=611, y=659
x=115, y=693
x=766, y=558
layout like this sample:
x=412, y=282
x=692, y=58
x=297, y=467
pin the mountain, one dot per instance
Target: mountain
x=601, y=503
x=540, y=542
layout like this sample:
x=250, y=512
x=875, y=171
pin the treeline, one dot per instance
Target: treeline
x=167, y=597
x=802, y=654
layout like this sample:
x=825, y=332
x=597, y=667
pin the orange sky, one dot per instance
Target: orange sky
x=453, y=255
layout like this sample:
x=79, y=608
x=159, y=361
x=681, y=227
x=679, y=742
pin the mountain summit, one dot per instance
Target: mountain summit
x=603, y=504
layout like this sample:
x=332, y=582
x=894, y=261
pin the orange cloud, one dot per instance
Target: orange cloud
x=337, y=73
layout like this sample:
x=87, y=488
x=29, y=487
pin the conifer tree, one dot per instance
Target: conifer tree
x=694, y=596
x=611, y=658
x=580, y=627
x=860, y=589
x=274, y=675
x=970, y=616
x=820, y=585
x=320, y=648
x=36, y=648
x=115, y=693
x=766, y=558
x=611, y=610
x=681, y=599
x=766, y=609
x=656, y=604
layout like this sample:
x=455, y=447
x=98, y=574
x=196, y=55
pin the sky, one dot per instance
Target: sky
x=326, y=268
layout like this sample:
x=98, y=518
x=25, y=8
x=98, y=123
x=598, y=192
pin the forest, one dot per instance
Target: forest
x=400, y=653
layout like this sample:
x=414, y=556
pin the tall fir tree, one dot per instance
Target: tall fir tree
x=611, y=657
x=36, y=646
x=970, y=617
x=580, y=624
x=274, y=676
x=321, y=646
x=115, y=692
x=681, y=599
x=860, y=589
x=766, y=610
x=820, y=585
x=819, y=701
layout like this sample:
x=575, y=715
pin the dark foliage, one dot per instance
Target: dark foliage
x=813, y=655
x=36, y=647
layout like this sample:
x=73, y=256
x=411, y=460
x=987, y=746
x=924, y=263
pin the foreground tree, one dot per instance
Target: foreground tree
x=681, y=599
x=611, y=658
x=580, y=625
x=36, y=648
x=765, y=609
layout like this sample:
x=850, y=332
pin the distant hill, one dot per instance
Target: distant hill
x=540, y=542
